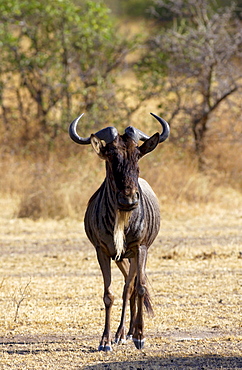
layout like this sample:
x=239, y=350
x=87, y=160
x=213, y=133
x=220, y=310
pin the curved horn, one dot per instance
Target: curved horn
x=166, y=128
x=73, y=134
x=107, y=134
x=137, y=135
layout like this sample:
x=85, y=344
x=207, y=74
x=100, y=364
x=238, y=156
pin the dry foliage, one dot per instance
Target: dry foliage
x=60, y=187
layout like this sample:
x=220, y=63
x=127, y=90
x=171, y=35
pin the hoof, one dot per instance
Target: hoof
x=120, y=341
x=139, y=343
x=105, y=348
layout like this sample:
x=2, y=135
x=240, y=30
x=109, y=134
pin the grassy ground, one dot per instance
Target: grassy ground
x=51, y=309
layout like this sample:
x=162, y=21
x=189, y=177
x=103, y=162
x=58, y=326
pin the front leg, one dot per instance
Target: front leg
x=108, y=298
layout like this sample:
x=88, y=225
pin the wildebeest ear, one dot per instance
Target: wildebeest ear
x=149, y=144
x=97, y=145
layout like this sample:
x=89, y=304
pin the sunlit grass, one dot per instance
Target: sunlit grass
x=194, y=279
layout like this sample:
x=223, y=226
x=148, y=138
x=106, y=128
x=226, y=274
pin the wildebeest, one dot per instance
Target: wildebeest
x=122, y=220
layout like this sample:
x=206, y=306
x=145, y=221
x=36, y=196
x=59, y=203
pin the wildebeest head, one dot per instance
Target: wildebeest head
x=122, y=153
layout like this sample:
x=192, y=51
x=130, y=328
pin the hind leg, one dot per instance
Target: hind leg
x=129, y=271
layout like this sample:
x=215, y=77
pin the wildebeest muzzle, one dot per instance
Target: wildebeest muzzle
x=127, y=202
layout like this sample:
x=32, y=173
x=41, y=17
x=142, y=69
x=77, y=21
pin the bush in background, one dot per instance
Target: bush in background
x=58, y=59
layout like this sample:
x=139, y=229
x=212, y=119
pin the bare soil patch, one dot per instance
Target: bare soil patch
x=51, y=309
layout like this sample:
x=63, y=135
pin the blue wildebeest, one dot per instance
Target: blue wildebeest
x=122, y=220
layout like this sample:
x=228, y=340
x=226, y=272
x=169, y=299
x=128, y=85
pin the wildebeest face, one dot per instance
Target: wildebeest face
x=122, y=157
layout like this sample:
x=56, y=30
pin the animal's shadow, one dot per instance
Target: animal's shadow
x=36, y=345
x=209, y=362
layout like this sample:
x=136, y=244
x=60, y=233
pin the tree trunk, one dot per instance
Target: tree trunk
x=199, y=127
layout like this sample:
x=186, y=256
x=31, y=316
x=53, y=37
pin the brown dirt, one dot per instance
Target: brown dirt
x=51, y=310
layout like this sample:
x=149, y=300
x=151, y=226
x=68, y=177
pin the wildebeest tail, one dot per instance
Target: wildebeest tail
x=147, y=303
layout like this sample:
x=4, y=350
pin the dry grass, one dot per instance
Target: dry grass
x=51, y=188
x=194, y=271
x=59, y=188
